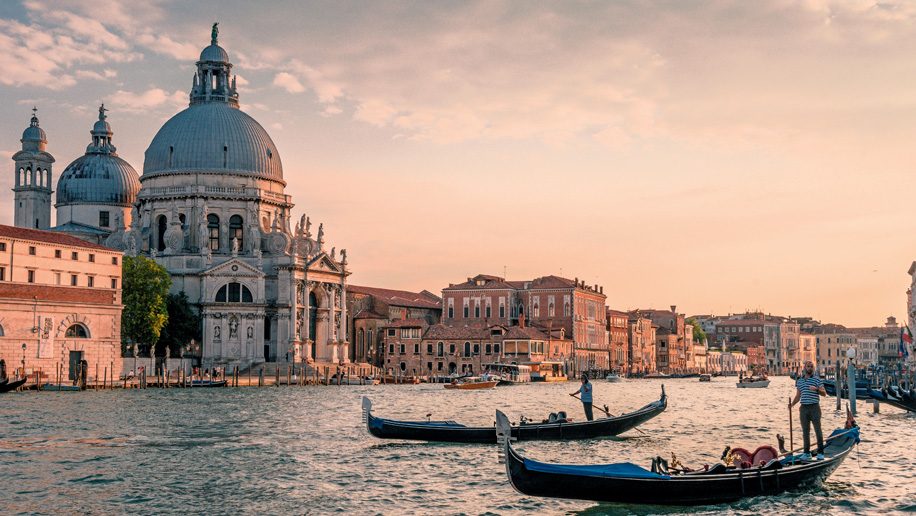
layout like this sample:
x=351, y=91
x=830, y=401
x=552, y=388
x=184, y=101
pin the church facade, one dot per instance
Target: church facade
x=211, y=208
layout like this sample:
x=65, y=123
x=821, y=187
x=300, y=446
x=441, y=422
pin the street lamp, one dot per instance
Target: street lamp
x=23, y=359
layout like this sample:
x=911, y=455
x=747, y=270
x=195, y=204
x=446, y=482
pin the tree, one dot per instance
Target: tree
x=698, y=334
x=183, y=324
x=145, y=289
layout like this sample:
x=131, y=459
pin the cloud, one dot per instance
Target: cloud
x=165, y=45
x=288, y=82
x=133, y=102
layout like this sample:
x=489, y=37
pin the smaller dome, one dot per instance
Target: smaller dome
x=101, y=127
x=214, y=52
x=98, y=178
x=34, y=134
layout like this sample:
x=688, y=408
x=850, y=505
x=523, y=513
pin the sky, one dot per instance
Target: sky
x=718, y=156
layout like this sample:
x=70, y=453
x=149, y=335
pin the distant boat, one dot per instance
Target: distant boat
x=656, y=375
x=60, y=387
x=208, y=383
x=705, y=378
x=752, y=382
x=613, y=377
x=352, y=380
x=472, y=384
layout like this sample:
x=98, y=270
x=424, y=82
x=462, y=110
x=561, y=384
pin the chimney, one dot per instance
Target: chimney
x=673, y=308
x=601, y=290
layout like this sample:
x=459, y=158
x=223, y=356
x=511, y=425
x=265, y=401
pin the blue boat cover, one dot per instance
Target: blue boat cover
x=620, y=470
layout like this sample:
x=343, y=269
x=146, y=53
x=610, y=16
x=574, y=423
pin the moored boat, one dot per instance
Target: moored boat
x=896, y=397
x=208, y=383
x=509, y=374
x=12, y=385
x=60, y=387
x=612, y=377
x=556, y=428
x=629, y=483
x=705, y=378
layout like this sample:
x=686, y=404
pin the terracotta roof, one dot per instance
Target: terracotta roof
x=526, y=333
x=490, y=283
x=552, y=282
x=49, y=237
x=368, y=314
x=32, y=291
x=407, y=323
x=443, y=332
x=423, y=299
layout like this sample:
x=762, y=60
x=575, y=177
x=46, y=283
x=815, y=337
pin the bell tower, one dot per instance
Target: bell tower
x=32, y=185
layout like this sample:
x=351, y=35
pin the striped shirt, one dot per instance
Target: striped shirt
x=809, y=397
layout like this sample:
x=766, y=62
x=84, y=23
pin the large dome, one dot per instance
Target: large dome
x=213, y=137
x=98, y=178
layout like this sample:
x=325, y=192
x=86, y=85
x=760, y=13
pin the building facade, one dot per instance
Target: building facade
x=372, y=309
x=60, y=305
x=641, y=334
x=618, y=340
x=559, y=306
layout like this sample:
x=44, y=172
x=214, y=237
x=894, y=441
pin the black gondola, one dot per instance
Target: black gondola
x=895, y=397
x=862, y=390
x=450, y=431
x=629, y=483
x=12, y=386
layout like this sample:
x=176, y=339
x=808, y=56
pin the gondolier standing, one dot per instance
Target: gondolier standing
x=586, y=391
x=808, y=389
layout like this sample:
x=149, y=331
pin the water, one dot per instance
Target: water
x=304, y=450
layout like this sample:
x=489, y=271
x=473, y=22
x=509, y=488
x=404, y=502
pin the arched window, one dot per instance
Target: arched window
x=162, y=224
x=233, y=293
x=21, y=177
x=28, y=176
x=213, y=227
x=451, y=349
x=1, y=331
x=235, y=230
x=313, y=319
x=361, y=342
x=77, y=331
x=467, y=349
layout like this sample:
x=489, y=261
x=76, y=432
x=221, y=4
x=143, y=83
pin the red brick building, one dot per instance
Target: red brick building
x=559, y=306
x=371, y=309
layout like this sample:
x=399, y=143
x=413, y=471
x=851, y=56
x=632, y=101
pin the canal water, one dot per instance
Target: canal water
x=294, y=450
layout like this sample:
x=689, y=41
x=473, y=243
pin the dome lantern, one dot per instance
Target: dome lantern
x=212, y=79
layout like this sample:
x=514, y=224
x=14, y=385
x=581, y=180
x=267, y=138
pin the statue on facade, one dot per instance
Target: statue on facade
x=299, y=327
x=214, y=33
x=235, y=247
x=131, y=243
x=343, y=256
x=233, y=326
x=216, y=332
x=203, y=232
x=333, y=253
x=321, y=237
x=254, y=238
x=250, y=333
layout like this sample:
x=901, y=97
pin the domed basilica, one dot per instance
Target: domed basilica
x=210, y=207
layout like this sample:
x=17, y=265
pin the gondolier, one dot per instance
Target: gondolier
x=808, y=389
x=586, y=391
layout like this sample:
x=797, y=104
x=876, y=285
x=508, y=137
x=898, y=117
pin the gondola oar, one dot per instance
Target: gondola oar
x=606, y=412
x=791, y=440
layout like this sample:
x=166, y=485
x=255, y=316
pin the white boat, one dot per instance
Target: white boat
x=509, y=373
x=753, y=383
x=613, y=377
x=353, y=380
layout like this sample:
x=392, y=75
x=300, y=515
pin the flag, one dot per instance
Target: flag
x=905, y=338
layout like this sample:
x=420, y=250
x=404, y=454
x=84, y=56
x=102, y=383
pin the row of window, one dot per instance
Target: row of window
x=58, y=253
x=41, y=178
x=469, y=349
x=58, y=278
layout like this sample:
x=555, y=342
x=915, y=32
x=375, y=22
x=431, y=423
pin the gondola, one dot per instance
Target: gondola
x=895, y=397
x=861, y=390
x=628, y=483
x=12, y=385
x=450, y=431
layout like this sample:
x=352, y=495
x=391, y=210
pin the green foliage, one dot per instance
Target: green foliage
x=698, y=334
x=184, y=324
x=145, y=289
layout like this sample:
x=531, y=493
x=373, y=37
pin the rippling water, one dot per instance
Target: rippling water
x=301, y=450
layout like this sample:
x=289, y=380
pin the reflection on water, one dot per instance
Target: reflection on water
x=298, y=450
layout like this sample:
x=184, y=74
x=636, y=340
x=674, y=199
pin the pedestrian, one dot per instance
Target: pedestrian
x=808, y=389
x=586, y=391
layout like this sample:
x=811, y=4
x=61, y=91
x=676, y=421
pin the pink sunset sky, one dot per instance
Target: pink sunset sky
x=719, y=156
